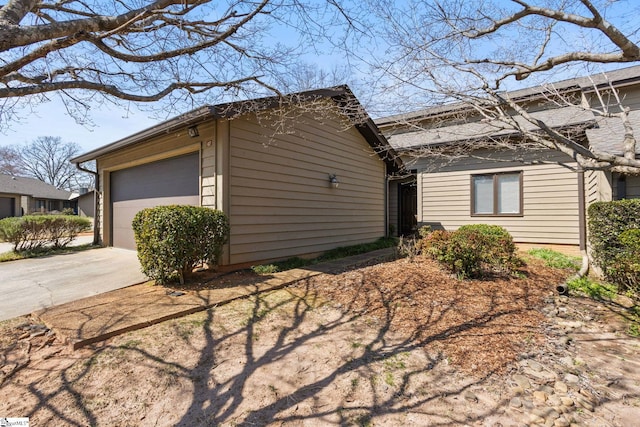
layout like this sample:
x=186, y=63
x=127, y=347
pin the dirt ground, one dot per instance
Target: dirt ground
x=394, y=344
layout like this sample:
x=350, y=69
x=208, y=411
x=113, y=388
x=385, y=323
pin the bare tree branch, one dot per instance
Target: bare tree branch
x=150, y=50
x=472, y=52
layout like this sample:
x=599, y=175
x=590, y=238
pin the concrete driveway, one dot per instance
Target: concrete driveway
x=31, y=284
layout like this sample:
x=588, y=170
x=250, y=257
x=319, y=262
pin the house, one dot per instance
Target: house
x=461, y=176
x=21, y=195
x=85, y=202
x=296, y=176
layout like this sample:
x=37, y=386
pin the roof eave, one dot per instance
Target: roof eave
x=341, y=95
x=180, y=121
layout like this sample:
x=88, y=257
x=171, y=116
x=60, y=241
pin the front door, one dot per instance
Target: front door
x=408, y=208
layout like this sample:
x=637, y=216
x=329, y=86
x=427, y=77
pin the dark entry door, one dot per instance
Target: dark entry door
x=408, y=207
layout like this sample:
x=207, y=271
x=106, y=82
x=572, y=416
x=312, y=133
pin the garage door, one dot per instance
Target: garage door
x=7, y=207
x=173, y=181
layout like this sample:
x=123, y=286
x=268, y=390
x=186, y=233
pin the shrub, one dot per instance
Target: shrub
x=33, y=232
x=172, y=240
x=435, y=244
x=615, y=241
x=473, y=250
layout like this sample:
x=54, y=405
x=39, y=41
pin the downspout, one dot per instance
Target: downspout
x=96, y=205
x=563, y=288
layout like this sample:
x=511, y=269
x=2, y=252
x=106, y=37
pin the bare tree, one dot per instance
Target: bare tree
x=306, y=76
x=145, y=51
x=9, y=159
x=47, y=159
x=473, y=53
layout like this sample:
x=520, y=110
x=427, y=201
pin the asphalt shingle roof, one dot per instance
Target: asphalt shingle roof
x=31, y=187
x=559, y=117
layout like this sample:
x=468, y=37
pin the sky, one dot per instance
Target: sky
x=110, y=122
x=51, y=119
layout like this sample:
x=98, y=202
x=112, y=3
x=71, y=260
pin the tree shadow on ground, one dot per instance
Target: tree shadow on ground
x=322, y=362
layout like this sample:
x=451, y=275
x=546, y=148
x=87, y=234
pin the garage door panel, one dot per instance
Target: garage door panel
x=177, y=176
x=168, y=182
x=7, y=205
x=125, y=211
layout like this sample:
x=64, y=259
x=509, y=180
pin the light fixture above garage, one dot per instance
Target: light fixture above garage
x=193, y=131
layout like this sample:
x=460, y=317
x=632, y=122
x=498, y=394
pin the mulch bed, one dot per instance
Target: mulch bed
x=480, y=326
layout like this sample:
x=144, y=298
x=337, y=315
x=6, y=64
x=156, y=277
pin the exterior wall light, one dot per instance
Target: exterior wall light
x=193, y=131
x=333, y=181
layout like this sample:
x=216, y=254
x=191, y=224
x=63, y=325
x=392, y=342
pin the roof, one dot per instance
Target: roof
x=341, y=95
x=609, y=135
x=557, y=118
x=620, y=77
x=76, y=196
x=31, y=187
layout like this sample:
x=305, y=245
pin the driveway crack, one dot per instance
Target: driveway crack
x=40, y=285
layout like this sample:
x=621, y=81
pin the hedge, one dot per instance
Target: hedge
x=34, y=232
x=615, y=241
x=172, y=240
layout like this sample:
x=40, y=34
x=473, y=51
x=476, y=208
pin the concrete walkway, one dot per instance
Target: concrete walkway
x=103, y=316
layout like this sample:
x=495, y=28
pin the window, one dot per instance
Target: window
x=496, y=194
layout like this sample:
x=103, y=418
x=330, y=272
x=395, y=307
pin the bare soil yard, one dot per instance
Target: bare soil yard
x=394, y=344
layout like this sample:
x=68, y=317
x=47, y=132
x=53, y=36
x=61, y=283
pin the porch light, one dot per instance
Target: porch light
x=333, y=181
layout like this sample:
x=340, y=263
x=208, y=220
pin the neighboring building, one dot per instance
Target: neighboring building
x=85, y=203
x=536, y=195
x=21, y=196
x=295, y=178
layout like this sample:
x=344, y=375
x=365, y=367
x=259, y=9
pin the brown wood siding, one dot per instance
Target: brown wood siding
x=550, y=201
x=280, y=200
x=169, y=145
x=630, y=97
x=208, y=172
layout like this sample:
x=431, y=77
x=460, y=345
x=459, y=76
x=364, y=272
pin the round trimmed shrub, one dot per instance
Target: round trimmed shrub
x=172, y=240
x=473, y=250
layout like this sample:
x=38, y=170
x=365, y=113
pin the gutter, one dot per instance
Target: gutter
x=563, y=288
x=96, y=205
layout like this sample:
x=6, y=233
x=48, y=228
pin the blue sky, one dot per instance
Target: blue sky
x=111, y=122
x=51, y=119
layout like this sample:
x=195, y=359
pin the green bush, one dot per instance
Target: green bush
x=473, y=250
x=615, y=241
x=34, y=232
x=172, y=240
